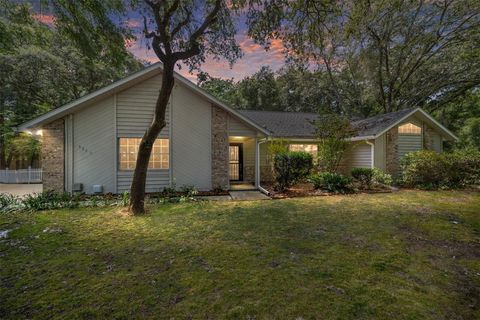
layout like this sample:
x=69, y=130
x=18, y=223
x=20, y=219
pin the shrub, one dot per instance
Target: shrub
x=364, y=176
x=45, y=200
x=431, y=170
x=332, y=182
x=8, y=201
x=381, y=177
x=291, y=167
x=189, y=191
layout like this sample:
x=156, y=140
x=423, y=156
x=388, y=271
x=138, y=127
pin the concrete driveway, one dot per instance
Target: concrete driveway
x=20, y=189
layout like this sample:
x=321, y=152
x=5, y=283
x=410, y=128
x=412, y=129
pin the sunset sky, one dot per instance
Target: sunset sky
x=254, y=56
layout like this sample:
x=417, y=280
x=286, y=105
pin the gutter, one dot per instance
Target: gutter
x=262, y=190
x=373, y=152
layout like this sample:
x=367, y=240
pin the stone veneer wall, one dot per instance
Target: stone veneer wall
x=392, y=163
x=428, y=138
x=53, y=156
x=249, y=173
x=219, y=148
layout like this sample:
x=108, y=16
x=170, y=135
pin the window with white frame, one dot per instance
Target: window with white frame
x=310, y=148
x=409, y=128
x=128, y=150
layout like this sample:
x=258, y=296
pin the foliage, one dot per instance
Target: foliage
x=364, y=176
x=332, y=131
x=189, y=191
x=331, y=182
x=47, y=200
x=8, y=201
x=377, y=54
x=125, y=198
x=291, y=167
x=381, y=177
x=224, y=90
x=41, y=68
x=470, y=133
x=431, y=170
x=276, y=146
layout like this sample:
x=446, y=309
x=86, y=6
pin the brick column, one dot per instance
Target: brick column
x=428, y=138
x=392, y=161
x=53, y=156
x=219, y=149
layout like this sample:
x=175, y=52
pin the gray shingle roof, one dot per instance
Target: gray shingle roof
x=301, y=125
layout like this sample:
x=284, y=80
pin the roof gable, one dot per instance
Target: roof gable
x=301, y=125
x=126, y=83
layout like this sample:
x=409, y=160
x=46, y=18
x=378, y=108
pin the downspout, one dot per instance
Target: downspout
x=372, y=145
x=257, y=156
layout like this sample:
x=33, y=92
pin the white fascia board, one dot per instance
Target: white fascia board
x=429, y=117
x=91, y=98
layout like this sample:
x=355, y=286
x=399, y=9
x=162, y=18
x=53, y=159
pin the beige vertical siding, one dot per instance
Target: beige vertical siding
x=191, y=139
x=93, y=146
x=380, y=152
x=238, y=128
x=358, y=155
x=409, y=143
x=135, y=108
x=156, y=180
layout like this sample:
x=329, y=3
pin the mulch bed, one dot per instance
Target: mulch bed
x=307, y=190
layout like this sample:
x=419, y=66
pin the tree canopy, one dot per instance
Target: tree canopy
x=381, y=55
x=42, y=68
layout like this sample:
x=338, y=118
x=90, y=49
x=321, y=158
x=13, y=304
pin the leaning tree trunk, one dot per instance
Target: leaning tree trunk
x=137, y=190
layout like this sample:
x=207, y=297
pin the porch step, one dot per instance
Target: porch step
x=248, y=195
x=242, y=186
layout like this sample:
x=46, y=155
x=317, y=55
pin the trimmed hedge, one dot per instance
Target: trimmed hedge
x=291, y=167
x=431, y=170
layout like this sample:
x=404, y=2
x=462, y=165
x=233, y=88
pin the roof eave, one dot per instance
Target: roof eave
x=126, y=83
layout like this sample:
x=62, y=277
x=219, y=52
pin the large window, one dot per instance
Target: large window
x=310, y=148
x=128, y=151
x=409, y=128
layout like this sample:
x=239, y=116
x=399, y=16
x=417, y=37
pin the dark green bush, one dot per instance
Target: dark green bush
x=364, y=176
x=291, y=167
x=431, y=170
x=332, y=182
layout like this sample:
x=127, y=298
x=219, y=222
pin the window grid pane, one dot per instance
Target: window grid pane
x=310, y=148
x=409, y=128
x=128, y=150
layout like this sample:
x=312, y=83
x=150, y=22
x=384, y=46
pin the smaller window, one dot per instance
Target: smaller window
x=409, y=128
x=310, y=148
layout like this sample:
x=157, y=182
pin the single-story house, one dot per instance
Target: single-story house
x=90, y=144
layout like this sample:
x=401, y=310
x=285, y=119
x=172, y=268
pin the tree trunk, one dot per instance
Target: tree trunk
x=137, y=190
x=3, y=159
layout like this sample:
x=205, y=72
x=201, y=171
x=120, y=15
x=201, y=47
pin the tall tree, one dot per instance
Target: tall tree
x=259, y=91
x=184, y=31
x=382, y=54
x=42, y=68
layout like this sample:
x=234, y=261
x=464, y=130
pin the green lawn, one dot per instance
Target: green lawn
x=406, y=255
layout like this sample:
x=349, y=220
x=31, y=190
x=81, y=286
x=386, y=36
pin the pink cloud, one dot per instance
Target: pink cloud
x=47, y=19
x=255, y=56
